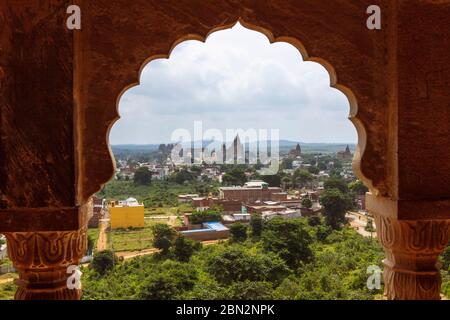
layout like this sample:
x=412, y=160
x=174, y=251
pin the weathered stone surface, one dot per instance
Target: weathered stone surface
x=411, y=268
x=37, y=166
x=42, y=260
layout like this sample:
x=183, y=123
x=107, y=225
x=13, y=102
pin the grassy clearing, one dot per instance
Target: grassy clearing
x=7, y=291
x=135, y=239
x=93, y=234
x=168, y=211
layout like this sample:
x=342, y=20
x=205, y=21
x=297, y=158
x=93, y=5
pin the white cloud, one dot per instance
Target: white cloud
x=237, y=79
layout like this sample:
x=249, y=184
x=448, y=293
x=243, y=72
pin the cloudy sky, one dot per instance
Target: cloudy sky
x=236, y=80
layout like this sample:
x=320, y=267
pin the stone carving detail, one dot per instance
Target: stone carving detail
x=411, y=269
x=42, y=258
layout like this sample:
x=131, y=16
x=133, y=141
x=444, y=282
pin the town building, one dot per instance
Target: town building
x=285, y=214
x=205, y=203
x=345, y=155
x=183, y=198
x=97, y=212
x=251, y=192
x=208, y=231
x=236, y=217
x=126, y=214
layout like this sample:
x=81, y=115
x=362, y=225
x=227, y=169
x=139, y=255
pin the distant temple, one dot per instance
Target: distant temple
x=235, y=152
x=345, y=155
x=297, y=152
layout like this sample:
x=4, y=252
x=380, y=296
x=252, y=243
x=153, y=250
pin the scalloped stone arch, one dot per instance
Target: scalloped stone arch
x=296, y=43
x=112, y=65
x=56, y=159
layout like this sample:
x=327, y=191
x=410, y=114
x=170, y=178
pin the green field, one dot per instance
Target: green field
x=160, y=194
x=135, y=239
x=168, y=211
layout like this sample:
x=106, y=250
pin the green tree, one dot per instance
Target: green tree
x=234, y=177
x=445, y=257
x=104, y=262
x=238, y=232
x=287, y=163
x=158, y=287
x=289, y=239
x=286, y=182
x=314, y=221
x=358, y=187
x=168, y=280
x=162, y=237
x=199, y=217
x=307, y=203
x=313, y=170
x=235, y=263
x=249, y=290
x=183, y=176
x=322, y=232
x=90, y=244
x=184, y=248
x=335, y=205
x=142, y=176
x=256, y=224
x=369, y=226
x=301, y=178
x=336, y=183
x=272, y=180
x=322, y=166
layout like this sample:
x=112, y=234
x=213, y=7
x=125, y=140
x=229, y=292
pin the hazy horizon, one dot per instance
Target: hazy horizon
x=281, y=140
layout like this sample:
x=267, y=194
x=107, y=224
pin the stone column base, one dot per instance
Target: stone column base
x=42, y=260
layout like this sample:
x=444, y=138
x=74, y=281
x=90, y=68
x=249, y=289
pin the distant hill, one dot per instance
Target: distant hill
x=321, y=147
x=285, y=146
x=134, y=148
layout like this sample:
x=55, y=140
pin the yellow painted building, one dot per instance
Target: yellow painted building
x=126, y=214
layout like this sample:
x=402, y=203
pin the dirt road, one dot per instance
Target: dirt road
x=132, y=254
x=102, y=242
x=6, y=280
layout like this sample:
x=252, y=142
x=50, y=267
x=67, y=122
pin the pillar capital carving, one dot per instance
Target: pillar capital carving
x=412, y=247
x=42, y=259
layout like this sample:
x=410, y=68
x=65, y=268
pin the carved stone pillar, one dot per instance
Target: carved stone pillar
x=42, y=259
x=412, y=247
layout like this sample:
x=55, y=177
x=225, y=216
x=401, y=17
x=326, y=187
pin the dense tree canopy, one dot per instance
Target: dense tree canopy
x=289, y=239
x=301, y=178
x=104, y=261
x=335, y=205
x=237, y=263
x=234, y=177
x=249, y=270
x=336, y=183
x=256, y=224
x=142, y=176
x=162, y=237
x=212, y=215
x=307, y=203
x=184, y=248
x=238, y=232
x=358, y=187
